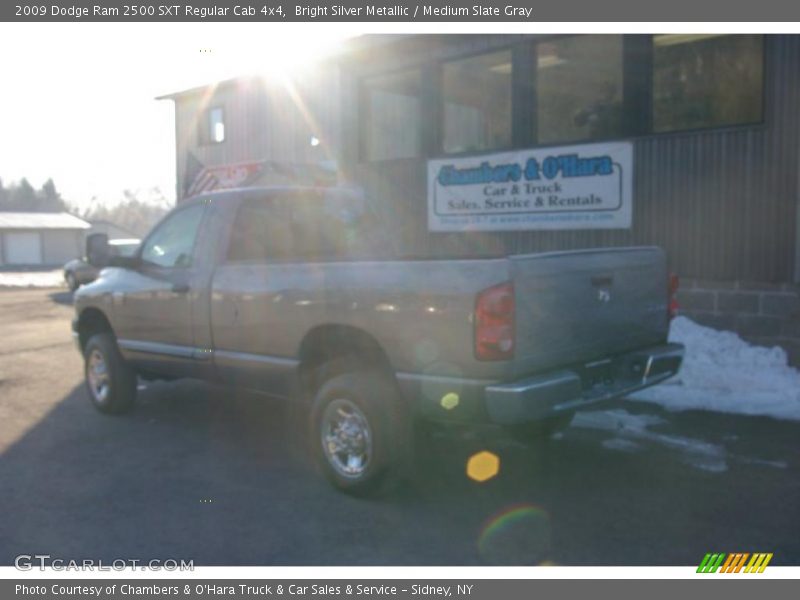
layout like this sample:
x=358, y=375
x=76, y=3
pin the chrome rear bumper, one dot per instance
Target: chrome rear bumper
x=542, y=396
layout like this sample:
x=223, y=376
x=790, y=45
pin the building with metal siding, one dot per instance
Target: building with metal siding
x=264, y=120
x=40, y=239
x=721, y=196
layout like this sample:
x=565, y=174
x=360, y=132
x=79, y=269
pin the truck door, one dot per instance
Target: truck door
x=153, y=309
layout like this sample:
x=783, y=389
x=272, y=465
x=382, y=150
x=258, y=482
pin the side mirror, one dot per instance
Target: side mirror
x=97, y=252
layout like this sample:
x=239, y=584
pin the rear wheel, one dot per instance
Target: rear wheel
x=110, y=381
x=355, y=421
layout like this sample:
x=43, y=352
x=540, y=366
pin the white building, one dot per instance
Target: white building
x=31, y=239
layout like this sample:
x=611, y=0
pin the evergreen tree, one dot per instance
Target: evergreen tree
x=51, y=200
x=22, y=197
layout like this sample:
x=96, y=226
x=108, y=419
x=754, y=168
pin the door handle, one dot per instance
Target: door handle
x=180, y=288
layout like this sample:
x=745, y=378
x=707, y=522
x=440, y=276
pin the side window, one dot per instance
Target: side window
x=476, y=92
x=579, y=85
x=392, y=122
x=707, y=81
x=172, y=242
x=216, y=125
x=302, y=227
x=261, y=232
x=324, y=233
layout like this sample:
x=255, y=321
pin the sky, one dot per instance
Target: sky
x=78, y=99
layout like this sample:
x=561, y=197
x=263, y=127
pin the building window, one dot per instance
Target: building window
x=216, y=125
x=392, y=123
x=579, y=89
x=476, y=95
x=706, y=81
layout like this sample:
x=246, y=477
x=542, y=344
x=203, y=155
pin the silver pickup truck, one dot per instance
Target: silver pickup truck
x=299, y=293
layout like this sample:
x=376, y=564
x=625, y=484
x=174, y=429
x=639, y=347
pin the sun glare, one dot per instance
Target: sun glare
x=279, y=55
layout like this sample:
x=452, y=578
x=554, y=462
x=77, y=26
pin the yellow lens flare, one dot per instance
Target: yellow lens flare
x=450, y=401
x=483, y=466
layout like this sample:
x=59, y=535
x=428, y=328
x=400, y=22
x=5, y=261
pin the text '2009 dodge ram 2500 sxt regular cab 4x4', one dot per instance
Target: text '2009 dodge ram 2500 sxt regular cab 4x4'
x=294, y=292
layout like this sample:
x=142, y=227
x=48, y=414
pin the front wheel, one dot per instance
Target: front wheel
x=109, y=379
x=355, y=419
x=72, y=282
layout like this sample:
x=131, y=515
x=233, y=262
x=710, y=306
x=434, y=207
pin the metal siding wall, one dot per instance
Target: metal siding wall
x=264, y=121
x=60, y=246
x=721, y=202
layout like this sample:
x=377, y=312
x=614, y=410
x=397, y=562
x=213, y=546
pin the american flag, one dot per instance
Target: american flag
x=200, y=178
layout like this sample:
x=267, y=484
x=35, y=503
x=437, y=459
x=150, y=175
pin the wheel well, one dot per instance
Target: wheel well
x=331, y=342
x=91, y=322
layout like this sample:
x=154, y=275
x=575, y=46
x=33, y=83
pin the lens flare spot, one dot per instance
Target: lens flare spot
x=450, y=401
x=518, y=535
x=483, y=466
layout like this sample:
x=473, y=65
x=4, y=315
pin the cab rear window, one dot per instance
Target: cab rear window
x=302, y=227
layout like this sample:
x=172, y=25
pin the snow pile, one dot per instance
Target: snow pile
x=32, y=278
x=723, y=373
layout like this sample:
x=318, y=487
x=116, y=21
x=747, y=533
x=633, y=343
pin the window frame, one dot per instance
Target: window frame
x=637, y=98
x=225, y=247
x=512, y=49
x=145, y=264
x=206, y=131
x=363, y=130
x=754, y=125
x=266, y=200
x=625, y=67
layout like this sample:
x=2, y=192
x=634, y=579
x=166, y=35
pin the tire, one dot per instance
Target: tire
x=110, y=381
x=72, y=283
x=541, y=430
x=356, y=424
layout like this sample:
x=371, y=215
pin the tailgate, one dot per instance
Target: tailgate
x=580, y=306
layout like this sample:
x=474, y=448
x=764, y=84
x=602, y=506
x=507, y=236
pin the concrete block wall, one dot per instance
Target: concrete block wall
x=766, y=314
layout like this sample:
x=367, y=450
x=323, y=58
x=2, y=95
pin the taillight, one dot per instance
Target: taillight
x=494, y=323
x=672, y=299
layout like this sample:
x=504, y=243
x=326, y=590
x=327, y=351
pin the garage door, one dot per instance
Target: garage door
x=23, y=248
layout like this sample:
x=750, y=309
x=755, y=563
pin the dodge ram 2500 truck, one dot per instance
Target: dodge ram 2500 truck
x=297, y=292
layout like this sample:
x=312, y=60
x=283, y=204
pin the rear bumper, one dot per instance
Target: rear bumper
x=542, y=396
x=539, y=397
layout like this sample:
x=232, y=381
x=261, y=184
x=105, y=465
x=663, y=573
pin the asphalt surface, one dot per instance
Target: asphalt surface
x=216, y=475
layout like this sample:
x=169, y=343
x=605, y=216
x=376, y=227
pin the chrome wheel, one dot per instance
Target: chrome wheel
x=346, y=438
x=98, y=376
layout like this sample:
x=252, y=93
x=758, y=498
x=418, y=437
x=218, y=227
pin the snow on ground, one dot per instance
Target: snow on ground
x=723, y=373
x=631, y=432
x=42, y=279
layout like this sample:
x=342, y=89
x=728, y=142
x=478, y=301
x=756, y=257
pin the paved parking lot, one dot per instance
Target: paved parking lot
x=212, y=474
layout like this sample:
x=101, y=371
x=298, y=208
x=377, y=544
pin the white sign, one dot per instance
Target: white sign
x=569, y=187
